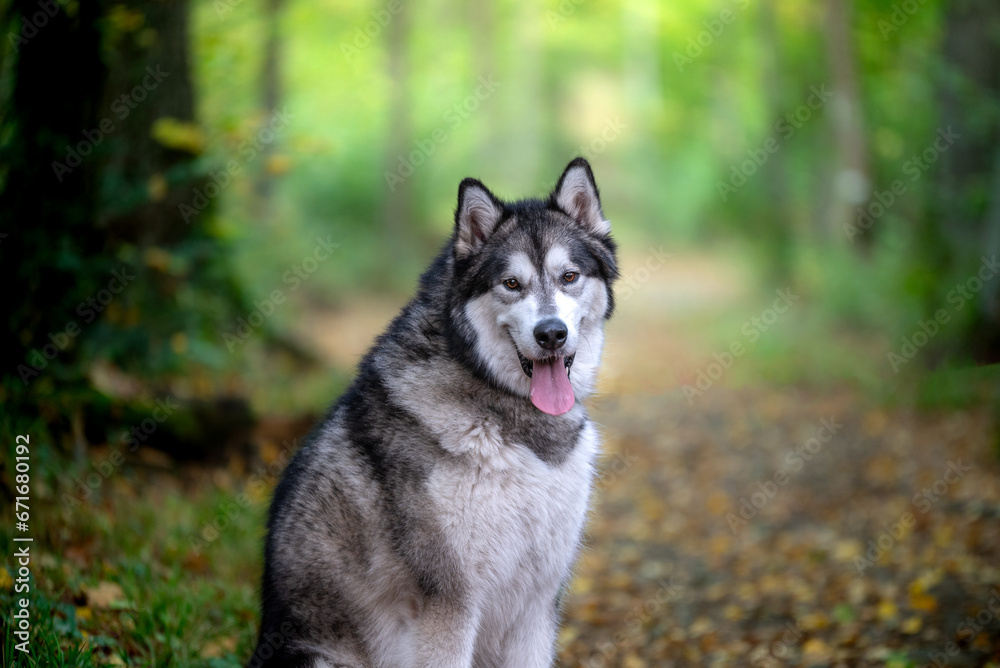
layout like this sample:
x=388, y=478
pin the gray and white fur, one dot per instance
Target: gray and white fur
x=432, y=519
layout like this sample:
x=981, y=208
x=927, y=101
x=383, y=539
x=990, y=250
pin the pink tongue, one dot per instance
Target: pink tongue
x=551, y=391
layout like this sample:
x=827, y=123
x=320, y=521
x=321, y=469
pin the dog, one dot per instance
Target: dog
x=433, y=518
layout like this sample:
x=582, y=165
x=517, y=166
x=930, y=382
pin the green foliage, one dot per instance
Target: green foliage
x=170, y=609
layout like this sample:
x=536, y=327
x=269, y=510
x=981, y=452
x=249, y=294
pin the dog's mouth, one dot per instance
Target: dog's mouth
x=551, y=391
x=528, y=366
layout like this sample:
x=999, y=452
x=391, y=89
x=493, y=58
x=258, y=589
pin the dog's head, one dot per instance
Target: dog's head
x=533, y=286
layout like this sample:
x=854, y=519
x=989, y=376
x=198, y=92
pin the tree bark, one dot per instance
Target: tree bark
x=270, y=99
x=964, y=225
x=851, y=186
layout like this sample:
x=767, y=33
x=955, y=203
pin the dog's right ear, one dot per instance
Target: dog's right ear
x=476, y=217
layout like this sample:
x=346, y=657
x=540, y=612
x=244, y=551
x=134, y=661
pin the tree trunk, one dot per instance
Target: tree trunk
x=149, y=84
x=851, y=186
x=46, y=212
x=270, y=98
x=965, y=225
x=781, y=227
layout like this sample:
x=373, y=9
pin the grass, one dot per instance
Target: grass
x=157, y=570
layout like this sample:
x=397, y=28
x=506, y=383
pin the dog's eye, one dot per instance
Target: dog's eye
x=570, y=276
x=512, y=284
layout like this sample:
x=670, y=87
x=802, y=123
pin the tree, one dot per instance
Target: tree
x=964, y=226
x=851, y=186
x=100, y=163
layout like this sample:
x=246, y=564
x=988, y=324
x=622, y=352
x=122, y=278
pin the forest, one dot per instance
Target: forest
x=210, y=208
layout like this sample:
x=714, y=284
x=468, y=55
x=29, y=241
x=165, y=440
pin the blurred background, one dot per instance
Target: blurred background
x=209, y=208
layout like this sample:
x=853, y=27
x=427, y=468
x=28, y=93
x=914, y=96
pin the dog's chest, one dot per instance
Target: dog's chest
x=507, y=515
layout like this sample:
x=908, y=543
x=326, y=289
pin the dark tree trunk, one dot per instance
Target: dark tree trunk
x=58, y=79
x=966, y=225
x=99, y=150
x=153, y=147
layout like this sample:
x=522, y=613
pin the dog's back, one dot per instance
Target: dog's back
x=433, y=517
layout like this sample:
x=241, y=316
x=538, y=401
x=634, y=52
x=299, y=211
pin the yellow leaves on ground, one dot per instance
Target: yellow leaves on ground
x=219, y=647
x=919, y=598
x=912, y=625
x=817, y=651
x=718, y=503
x=6, y=581
x=887, y=611
x=846, y=550
x=633, y=661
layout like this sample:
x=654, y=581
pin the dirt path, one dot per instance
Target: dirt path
x=763, y=526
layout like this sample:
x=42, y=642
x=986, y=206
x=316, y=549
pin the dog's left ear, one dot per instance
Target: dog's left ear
x=577, y=195
x=476, y=217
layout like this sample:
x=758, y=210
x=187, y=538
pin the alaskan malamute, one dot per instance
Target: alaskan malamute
x=433, y=518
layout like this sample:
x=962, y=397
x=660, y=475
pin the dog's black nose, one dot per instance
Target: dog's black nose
x=551, y=333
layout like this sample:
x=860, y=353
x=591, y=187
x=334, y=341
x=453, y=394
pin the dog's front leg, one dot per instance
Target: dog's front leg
x=530, y=643
x=446, y=635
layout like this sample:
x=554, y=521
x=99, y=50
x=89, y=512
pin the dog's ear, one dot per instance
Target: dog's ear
x=476, y=217
x=577, y=195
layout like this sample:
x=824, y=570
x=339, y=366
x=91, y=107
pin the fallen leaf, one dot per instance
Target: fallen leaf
x=104, y=595
x=911, y=625
x=218, y=647
x=816, y=650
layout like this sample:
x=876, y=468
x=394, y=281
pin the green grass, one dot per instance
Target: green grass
x=182, y=602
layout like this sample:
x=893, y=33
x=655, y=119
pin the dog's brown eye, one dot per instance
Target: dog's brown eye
x=512, y=284
x=570, y=276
